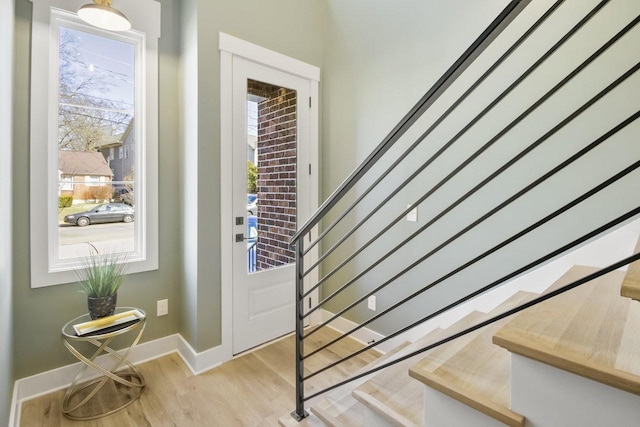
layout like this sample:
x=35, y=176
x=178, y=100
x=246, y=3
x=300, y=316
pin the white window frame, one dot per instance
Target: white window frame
x=46, y=267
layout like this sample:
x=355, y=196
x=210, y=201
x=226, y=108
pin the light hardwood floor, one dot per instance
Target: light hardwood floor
x=255, y=389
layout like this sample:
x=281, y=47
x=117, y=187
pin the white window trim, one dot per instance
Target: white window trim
x=46, y=269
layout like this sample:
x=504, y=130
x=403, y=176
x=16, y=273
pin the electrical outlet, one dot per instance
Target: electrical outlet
x=371, y=303
x=412, y=216
x=162, y=307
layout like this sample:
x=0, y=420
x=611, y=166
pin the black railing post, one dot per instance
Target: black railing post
x=299, y=413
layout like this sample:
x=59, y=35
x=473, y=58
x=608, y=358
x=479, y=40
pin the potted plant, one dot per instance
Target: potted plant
x=100, y=278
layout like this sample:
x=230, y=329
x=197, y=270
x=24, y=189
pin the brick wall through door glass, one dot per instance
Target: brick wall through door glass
x=275, y=149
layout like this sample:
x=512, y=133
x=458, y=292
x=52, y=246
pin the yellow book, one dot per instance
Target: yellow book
x=107, y=322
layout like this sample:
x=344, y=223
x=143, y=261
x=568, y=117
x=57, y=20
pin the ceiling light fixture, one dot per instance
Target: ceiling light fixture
x=100, y=14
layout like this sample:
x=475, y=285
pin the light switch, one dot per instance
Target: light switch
x=412, y=216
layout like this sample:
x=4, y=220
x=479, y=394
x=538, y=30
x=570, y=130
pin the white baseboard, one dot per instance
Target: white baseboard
x=363, y=335
x=203, y=361
x=60, y=378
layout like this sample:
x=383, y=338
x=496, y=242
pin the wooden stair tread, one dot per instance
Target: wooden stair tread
x=342, y=409
x=395, y=396
x=273, y=356
x=589, y=331
x=392, y=393
x=478, y=375
x=478, y=372
x=631, y=285
x=339, y=407
x=387, y=412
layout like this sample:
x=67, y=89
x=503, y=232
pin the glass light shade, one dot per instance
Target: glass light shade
x=105, y=17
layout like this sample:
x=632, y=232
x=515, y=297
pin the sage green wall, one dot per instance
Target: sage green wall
x=382, y=56
x=39, y=313
x=290, y=27
x=6, y=310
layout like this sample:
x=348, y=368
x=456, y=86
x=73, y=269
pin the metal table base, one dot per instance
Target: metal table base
x=125, y=377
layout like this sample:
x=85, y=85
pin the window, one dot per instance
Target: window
x=96, y=82
x=91, y=181
x=66, y=183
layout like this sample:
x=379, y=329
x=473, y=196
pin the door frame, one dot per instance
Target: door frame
x=229, y=47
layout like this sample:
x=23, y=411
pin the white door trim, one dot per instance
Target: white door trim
x=229, y=47
x=261, y=55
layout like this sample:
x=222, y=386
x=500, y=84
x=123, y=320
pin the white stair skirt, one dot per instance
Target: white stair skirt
x=550, y=397
x=442, y=411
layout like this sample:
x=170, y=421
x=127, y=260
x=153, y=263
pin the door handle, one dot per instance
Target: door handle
x=240, y=237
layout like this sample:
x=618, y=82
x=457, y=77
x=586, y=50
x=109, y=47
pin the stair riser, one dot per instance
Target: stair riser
x=373, y=419
x=443, y=411
x=549, y=396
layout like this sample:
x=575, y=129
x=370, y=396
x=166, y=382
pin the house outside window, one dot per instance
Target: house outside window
x=95, y=82
x=91, y=181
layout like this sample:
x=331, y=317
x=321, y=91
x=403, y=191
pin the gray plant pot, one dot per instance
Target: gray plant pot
x=102, y=306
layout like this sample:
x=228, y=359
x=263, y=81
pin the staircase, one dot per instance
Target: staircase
x=589, y=332
x=512, y=166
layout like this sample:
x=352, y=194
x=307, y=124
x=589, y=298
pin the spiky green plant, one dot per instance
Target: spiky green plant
x=102, y=274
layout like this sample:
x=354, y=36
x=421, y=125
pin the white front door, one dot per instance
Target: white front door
x=271, y=125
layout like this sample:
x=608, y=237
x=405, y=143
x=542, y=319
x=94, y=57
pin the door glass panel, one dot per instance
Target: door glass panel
x=96, y=146
x=271, y=175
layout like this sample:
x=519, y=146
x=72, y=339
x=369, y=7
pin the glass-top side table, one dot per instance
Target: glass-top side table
x=121, y=387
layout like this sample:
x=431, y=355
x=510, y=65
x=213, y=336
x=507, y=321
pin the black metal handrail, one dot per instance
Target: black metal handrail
x=476, y=119
x=303, y=248
x=485, y=254
x=422, y=137
x=506, y=129
x=516, y=196
x=507, y=313
x=509, y=13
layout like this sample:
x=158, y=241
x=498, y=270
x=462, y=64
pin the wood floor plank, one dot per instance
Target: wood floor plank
x=255, y=389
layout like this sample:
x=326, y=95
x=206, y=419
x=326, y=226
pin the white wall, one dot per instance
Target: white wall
x=6, y=84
